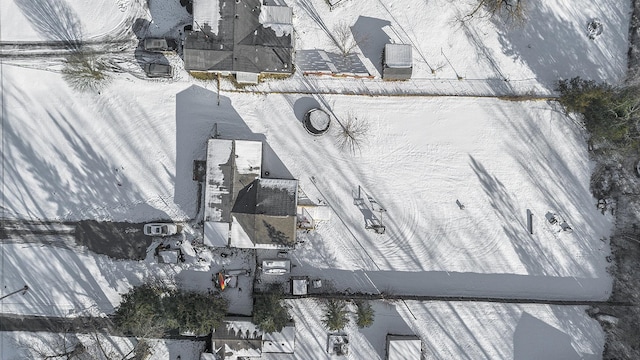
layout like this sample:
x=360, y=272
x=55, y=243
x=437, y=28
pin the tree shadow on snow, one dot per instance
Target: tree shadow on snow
x=54, y=19
x=78, y=184
x=559, y=48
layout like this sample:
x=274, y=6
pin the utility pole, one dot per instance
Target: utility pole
x=23, y=290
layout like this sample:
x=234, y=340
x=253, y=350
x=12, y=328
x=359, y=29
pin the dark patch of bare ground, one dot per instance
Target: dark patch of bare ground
x=616, y=177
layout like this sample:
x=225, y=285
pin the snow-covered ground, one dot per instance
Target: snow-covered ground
x=62, y=20
x=26, y=345
x=127, y=154
x=458, y=331
x=70, y=283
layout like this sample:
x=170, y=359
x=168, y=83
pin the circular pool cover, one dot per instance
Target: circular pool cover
x=316, y=121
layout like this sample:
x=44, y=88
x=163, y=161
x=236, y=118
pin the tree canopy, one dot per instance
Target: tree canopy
x=268, y=311
x=147, y=311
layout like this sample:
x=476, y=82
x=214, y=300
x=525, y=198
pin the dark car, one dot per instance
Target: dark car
x=154, y=70
x=160, y=44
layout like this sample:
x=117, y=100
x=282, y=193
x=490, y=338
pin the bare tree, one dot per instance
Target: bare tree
x=352, y=133
x=346, y=40
x=513, y=11
x=86, y=72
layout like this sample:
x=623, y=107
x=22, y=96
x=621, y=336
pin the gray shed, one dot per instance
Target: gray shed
x=397, y=62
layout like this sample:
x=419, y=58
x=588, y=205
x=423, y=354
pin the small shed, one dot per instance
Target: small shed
x=299, y=285
x=403, y=347
x=397, y=62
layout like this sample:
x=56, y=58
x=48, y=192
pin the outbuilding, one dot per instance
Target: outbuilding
x=397, y=62
x=404, y=347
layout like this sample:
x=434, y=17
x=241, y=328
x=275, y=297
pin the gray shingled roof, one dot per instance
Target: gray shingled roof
x=241, y=43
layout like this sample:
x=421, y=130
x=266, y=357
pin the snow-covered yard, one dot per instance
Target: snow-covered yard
x=126, y=154
x=459, y=330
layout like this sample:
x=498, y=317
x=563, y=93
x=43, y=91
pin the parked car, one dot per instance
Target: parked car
x=154, y=70
x=160, y=229
x=160, y=44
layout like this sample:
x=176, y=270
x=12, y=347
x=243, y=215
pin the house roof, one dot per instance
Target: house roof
x=238, y=336
x=278, y=18
x=239, y=41
x=266, y=211
x=216, y=234
x=403, y=347
x=262, y=212
x=397, y=56
x=280, y=342
x=218, y=186
x=206, y=13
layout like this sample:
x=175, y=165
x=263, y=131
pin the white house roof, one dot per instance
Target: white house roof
x=239, y=237
x=299, y=286
x=280, y=342
x=397, y=56
x=218, y=153
x=216, y=234
x=248, y=157
x=403, y=347
x=206, y=12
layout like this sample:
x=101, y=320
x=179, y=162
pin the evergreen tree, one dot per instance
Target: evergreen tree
x=335, y=318
x=365, y=314
x=268, y=311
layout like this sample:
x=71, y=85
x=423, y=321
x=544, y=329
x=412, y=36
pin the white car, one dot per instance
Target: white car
x=160, y=229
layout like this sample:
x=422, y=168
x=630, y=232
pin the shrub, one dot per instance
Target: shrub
x=335, y=318
x=86, y=72
x=353, y=133
x=365, y=314
x=268, y=312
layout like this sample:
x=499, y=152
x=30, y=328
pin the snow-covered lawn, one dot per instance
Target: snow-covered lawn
x=127, y=154
x=70, y=283
x=459, y=331
x=29, y=345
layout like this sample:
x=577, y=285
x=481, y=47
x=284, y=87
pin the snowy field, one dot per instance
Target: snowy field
x=470, y=331
x=26, y=345
x=126, y=154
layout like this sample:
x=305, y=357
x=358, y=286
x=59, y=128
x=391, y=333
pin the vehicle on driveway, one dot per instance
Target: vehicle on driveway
x=154, y=70
x=159, y=44
x=160, y=229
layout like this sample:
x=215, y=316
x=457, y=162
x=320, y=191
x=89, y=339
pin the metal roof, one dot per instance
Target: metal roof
x=397, y=55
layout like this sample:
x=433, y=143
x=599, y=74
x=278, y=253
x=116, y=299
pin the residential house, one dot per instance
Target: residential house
x=240, y=37
x=241, y=208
